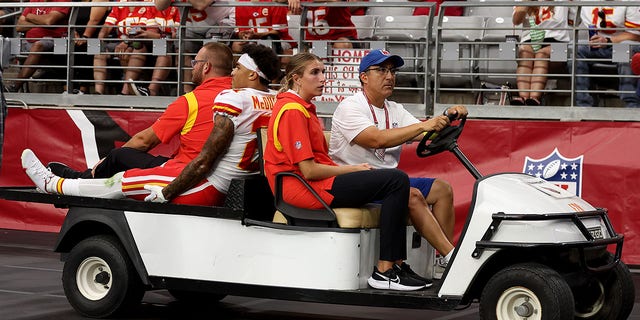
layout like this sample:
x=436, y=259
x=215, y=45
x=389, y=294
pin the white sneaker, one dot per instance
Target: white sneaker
x=43, y=178
x=438, y=267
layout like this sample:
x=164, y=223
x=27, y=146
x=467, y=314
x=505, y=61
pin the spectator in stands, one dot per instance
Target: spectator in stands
x=330, y=23
x=448, y=11
x=263, y=22
x=368, y=128
x=229, y=151
x=602, y=20
x=167, y=21
x=41, y=25
x=9, y=20
x=86, y=21
x=203, y=22
x=211, y=75
x=134, y=25
x=541, y=24
x=295, y=143
x=295, y=8
x=293, y=5
x=238, y=113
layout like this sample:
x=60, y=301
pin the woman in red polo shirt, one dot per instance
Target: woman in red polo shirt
x=295, y=143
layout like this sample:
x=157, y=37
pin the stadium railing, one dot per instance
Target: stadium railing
x=448, y=61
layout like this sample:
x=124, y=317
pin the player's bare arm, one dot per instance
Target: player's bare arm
x=216, y=145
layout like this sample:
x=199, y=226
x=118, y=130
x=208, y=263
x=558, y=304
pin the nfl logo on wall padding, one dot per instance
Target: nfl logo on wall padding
x=557, y=169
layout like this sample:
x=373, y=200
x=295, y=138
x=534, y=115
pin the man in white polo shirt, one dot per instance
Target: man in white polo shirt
x=368, y=128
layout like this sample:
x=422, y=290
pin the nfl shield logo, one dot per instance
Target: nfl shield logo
x=557, y=169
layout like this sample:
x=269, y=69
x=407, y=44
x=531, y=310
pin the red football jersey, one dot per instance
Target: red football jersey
x=43, y=31
x=127, y=17
x=263, y=19
x=322, y=20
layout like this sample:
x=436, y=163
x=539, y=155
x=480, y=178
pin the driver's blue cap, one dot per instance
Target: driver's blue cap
x=378, y=56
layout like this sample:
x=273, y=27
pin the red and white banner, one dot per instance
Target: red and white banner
x=604, y=157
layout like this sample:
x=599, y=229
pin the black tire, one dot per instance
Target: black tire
x=534, y=290
x=99, y=279
x=194, y=297
x=607, y=296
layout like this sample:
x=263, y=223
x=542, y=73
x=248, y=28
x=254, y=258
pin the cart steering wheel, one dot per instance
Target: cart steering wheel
x=446, y=139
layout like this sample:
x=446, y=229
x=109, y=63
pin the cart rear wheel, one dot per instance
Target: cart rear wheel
x=99, y=279
x=606, y=296
x=526, y=291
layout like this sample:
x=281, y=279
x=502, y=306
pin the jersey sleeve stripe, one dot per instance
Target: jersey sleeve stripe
x=193, y=113
x=630, y=24
x=276, y=122
x=226, y=108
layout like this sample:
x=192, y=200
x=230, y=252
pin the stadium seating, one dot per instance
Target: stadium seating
x=406, y=36
x=390, y=11
x=496, y=56
x=365, y=25
x=293, y=24
x=455, y=59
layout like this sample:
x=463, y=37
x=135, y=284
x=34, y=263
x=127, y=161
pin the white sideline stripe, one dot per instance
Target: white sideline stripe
x=34, y=293
x=31, y=268
x=88, y=134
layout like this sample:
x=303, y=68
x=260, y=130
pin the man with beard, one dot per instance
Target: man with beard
x=190, y=117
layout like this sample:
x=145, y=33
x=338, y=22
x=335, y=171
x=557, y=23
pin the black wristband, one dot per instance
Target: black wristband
x=609, y=40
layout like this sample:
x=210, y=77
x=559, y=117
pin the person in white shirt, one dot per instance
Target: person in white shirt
x=542, y=25
x=368, y=128
x=610, y=25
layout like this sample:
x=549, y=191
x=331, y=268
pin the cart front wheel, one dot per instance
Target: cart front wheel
x=526, y=291
x=99, y=279
x=608, y=295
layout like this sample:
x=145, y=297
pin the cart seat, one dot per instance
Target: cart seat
x=365, y=217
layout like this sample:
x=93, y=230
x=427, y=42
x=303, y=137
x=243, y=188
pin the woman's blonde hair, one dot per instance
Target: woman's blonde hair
x=296, y=65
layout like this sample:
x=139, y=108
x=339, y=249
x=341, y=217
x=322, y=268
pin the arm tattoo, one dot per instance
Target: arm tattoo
x=215, y=146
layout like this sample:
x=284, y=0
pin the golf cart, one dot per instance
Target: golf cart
x=528, y=250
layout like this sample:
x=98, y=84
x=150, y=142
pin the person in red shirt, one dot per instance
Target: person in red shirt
x=296, y=143
x=41, y=25
x=331, y=23
x=132, y=24
x=263, y=22
x=178, y=120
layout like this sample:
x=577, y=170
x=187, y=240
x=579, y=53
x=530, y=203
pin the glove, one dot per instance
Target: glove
x=155, y=194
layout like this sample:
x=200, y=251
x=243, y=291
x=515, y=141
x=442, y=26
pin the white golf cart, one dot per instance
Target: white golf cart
x=529, y=250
